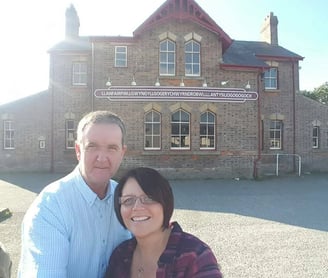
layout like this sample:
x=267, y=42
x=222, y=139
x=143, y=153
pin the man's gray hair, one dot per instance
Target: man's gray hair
x=100, y=117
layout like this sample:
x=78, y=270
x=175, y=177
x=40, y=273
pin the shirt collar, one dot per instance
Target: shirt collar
x=87, y=193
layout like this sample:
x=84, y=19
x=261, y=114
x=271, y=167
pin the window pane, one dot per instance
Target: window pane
x=148, y=141
x=175, y=117
x=162, y=57
x=188, y=58
x=188, y=47
x=149, y=117
x=184, y=117
x=156, y=117
x=156, y=141
x=185, y=129
x=203, y=117
x=210, y=129
x=148, y=129
x=196, y=47
x=196, y=58
x=210, y=117
x=188, y=69
x=171, y=46
x=162, y=46
x=171, y=69
x=175, y=129
x=195, y=69
x=156, y=129
x=162, y=69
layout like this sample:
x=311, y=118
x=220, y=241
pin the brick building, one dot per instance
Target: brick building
x=196, y=102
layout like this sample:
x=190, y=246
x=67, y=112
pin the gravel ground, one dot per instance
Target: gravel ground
x=276, y=227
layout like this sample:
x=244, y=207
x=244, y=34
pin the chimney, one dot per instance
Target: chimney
x=269, y=31
x=72, y=23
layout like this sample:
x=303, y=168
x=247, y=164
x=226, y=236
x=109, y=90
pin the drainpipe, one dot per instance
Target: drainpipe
x=92, y=74
x=52, y=117
x=294, y=115
x=259, y=127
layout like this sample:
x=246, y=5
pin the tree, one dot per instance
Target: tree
x=319, y=94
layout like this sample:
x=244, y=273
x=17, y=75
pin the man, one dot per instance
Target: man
x=71, y=228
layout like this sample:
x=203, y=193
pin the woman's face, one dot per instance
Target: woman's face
x=141, y=215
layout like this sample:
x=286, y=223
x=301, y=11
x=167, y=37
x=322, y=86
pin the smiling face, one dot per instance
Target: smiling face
x=100, y=154
x=141, y=219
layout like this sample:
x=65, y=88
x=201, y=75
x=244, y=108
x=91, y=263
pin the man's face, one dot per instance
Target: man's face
x=100, y=154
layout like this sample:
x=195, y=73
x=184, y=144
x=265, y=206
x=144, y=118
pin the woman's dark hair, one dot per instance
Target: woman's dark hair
x=154, y=185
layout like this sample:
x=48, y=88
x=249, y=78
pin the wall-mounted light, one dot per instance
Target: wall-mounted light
x=157, y=82
x=182, y=83
x=225, y=82
x=248, y=86
x=108, y=83
x=133, y=83
x=204, y=83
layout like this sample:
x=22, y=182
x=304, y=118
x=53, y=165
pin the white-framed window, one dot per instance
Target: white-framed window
x=315, y=137
x=70, y=134
x=180, y=130
x=79, y=74
x=152, y=130
x=167, y=57
x=121, y=56
x=275, y=136
x=8, y=135
x=207, y=131
x=271, y=79
x=192, y=58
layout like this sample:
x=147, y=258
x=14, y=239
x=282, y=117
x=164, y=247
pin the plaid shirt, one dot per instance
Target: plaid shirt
x=184, y=256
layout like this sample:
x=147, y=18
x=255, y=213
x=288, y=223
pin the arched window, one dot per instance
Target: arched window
x=167, y=57
x=152, y=130
x=180, y=130
x=207, y=130
x=192, y=58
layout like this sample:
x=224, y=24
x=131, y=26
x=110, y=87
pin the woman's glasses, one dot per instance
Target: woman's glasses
x=130, y=200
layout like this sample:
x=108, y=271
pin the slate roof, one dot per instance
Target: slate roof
x=249, y=53
x=78, y=44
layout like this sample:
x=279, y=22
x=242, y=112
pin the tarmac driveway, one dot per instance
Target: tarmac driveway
x=277, y=227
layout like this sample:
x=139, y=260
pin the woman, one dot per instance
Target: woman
x=144, y=205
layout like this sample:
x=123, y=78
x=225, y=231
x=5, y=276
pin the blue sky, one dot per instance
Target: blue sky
x=30, y=30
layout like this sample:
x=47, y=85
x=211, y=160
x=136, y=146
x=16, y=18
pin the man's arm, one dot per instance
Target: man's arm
x=45, y=242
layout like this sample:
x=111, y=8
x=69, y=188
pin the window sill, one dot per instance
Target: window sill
x=272, y=91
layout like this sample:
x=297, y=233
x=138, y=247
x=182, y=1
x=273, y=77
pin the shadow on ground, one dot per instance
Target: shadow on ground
x=300, y=201
x=33, y=182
